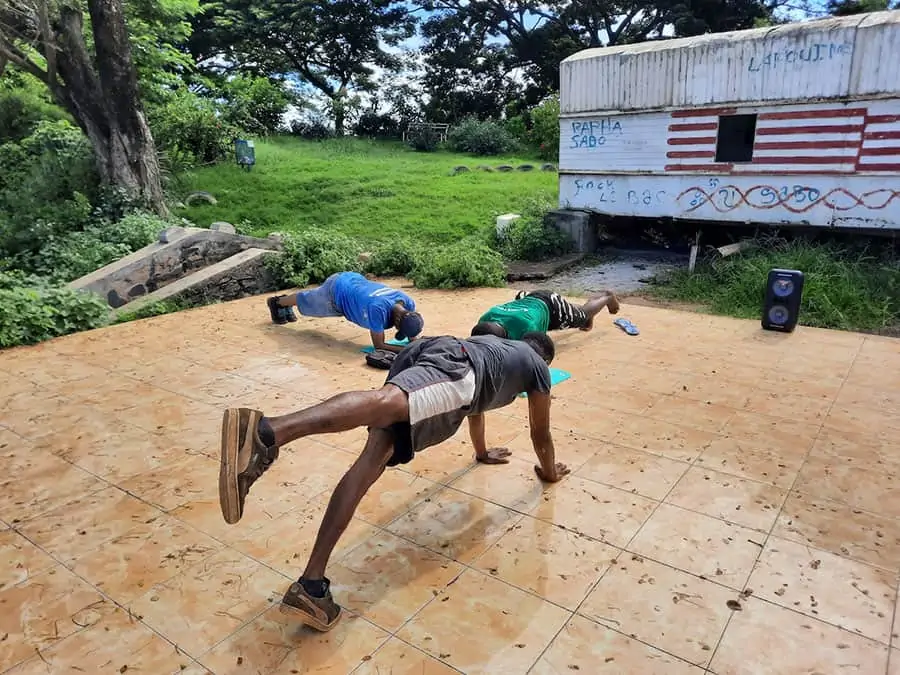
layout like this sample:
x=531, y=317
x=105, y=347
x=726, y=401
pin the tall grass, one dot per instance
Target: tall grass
x=846, y=287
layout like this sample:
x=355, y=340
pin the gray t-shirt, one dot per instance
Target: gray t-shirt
x=504, y=369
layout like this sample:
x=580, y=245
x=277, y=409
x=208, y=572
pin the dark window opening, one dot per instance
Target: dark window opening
x=735, y=140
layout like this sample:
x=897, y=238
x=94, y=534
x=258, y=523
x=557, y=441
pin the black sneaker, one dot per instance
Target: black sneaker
x=244, y=459
x=275, y=310
x=319, y=613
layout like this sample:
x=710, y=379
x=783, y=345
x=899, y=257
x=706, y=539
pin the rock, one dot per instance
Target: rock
x=222, y=226
x=504, y=167
x=526, y=167
x=548, y=167
x=170, y=234
x=200, y=197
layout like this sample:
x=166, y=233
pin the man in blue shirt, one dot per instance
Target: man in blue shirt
x=368, y=304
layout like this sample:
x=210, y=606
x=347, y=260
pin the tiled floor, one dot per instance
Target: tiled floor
x=734, y=507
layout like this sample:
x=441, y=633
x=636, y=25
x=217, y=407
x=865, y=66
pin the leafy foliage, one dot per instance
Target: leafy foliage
x=544, y=133
x=395, y=258
x=313, y=256
x=529, y=238
x=189, y=127
x=480, y=138
x=423, y=139
x=24, y=103
x=375, y=125
x=466, y=264
x=32, y=310
x=254, y=104
x=311, y=130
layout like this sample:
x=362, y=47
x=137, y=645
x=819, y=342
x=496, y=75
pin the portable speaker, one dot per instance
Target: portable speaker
x=781, y=309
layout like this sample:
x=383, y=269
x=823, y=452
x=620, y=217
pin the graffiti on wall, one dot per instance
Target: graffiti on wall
x=796, y=198
x=594, y=133
x=822, y=51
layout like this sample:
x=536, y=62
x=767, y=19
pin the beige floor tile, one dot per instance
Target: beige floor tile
x=43, y=611
x=634, y=471
x=885, y=400
x=699, y=544
x=798, y=408
x=729, y=498
x=557, y=564
x=191, y=478
x=599, y=511
x=151, y=553
x=276, y=644
x=840, y=529
x=858, y=450
x=399, y=658
x=699, y=415
x=442, y=464
x=512, y=627
x=738, y=458
x=132, y=648
x=388, y=579
x=514, y=485
x=780, y=435
x=717, y=389
x=394, y=494
x=848, y=594
x=765, y=639
x=20, y=559
x=177, y=412
x=674, y=441
x=587, y=647
x=455, y=524
x=877, y=491
x=661, y=606
x=285, y=543
x=863, y=420
x=209, y=601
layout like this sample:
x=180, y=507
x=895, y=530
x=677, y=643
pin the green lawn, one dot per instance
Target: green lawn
x=370, y=190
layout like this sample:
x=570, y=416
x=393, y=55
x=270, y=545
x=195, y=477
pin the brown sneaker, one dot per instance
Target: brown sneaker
x=244, y=459
x=322, y=614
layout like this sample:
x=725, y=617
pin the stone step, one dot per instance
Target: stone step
x=238, y=276
x=180, y=251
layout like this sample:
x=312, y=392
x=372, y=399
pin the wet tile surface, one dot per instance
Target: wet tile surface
x=733, y=508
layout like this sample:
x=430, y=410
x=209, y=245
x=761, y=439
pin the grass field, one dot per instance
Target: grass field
x=370, y=190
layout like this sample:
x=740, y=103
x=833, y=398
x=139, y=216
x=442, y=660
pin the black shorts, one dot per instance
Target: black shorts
x=563, y=314
x=439, y=381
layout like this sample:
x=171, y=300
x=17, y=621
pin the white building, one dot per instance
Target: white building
x=795, y=124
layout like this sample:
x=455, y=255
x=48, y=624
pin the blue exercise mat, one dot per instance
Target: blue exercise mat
x=556, y=376
x=370, y=348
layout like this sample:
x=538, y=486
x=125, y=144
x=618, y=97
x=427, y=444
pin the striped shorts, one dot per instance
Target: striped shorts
x=563, y=314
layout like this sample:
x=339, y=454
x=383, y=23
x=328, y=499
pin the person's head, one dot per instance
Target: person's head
x=408, y=324
x=489, y=328
x=542, y=344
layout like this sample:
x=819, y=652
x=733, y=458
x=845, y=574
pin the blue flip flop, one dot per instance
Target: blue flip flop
x=627, y=326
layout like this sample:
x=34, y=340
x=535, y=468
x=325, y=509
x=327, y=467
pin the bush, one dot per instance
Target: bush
x=423, y=139
x=545, y=128
x=313, y=256
x=465, y=264
x=517, y=128
x=36, y=312
x=480, y=138
x=190, y=131
x=254, y=104
x=373, y=125
x=394, y=259
x=529, y=238
x=311, y=130
x=24, y=103
x=47, y=183
x=844, y=288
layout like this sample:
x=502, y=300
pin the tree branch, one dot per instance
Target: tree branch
x=12, y=53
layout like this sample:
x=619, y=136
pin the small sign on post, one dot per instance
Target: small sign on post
x=244, y=153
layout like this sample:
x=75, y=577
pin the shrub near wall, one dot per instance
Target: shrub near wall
x=476, y=137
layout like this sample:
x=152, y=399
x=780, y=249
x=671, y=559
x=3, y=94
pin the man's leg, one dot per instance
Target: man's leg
x=309, y=597
x=596, y=304
x=316, y=302
x=250, y=441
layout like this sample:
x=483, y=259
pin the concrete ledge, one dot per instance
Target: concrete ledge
x=238, y=276
x=155, y=266
x=520, y=270
x=576, y=224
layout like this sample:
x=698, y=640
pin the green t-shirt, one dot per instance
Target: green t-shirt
x=520, y=316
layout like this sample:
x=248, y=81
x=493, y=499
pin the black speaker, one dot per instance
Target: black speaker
x=781, y=309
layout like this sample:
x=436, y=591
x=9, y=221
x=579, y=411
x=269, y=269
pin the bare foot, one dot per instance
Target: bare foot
x=596, y=304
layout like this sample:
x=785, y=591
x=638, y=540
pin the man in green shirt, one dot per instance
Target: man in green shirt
x=542, y=311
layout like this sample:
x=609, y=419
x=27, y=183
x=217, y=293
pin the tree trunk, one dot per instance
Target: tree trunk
x=105, y=101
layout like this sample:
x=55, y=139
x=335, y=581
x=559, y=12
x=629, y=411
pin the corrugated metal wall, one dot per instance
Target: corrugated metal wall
x=847, y=57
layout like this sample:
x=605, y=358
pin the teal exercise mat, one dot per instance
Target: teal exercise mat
x=399, y=343
x=556, y=376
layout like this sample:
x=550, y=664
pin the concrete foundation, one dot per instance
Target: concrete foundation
x=576, y=224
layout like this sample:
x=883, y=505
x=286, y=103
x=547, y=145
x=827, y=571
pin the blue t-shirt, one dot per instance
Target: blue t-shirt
x=368, y=303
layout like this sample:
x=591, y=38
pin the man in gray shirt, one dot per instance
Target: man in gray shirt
x=432, y=386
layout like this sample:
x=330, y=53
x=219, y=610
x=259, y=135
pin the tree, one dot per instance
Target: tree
x=98, y=87
x=334, y=46
x=849, y=7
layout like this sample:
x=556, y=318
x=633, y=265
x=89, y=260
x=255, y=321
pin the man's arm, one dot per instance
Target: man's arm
x=549, y=470
x=379, y=343
x=482, y=454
